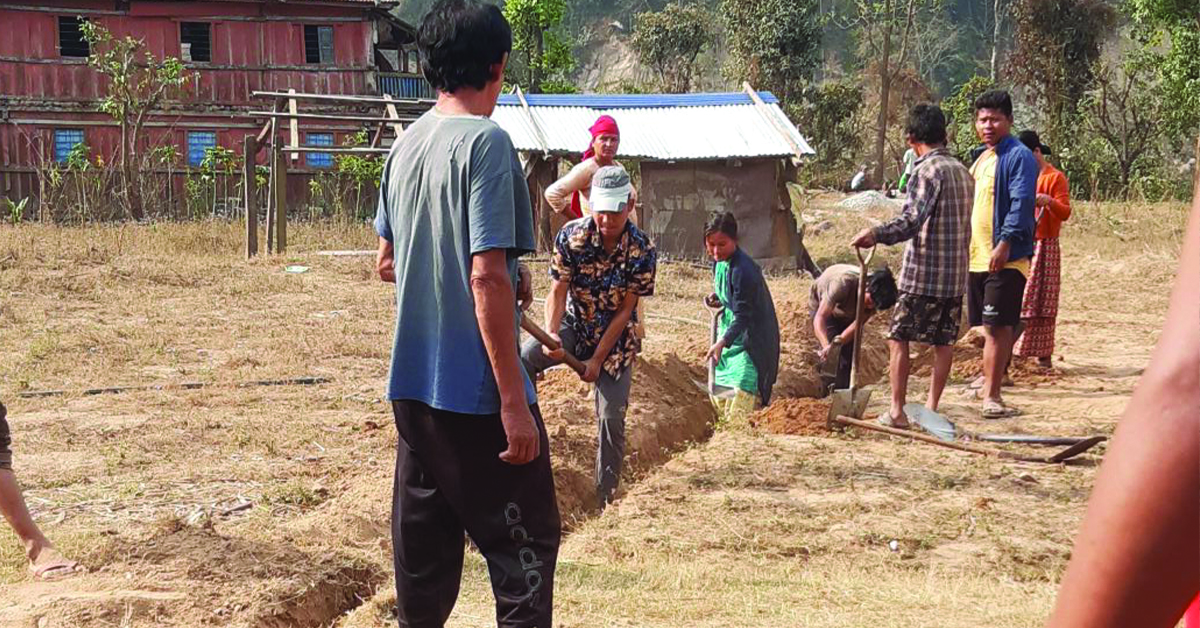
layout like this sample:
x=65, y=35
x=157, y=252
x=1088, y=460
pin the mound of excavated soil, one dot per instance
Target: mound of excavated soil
x=798, y=352
x=667, y=408
x=800, y=417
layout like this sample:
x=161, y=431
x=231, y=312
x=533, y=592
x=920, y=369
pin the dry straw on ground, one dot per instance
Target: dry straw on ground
x=149, y=488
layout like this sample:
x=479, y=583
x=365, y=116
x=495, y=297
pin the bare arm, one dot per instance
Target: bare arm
x=824, y=311
x=847, y=336
x=385, y=261
x=1135, y=558
x=495, y=312
x=615, y=327
x=556, y=306
x=558, y=195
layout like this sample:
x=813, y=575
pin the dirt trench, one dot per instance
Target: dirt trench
x=332, y=564
x=668, y=410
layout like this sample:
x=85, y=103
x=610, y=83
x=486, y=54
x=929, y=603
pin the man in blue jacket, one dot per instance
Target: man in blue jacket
x=1001, y=240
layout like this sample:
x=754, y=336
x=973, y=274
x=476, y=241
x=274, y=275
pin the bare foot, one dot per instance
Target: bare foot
x=45, y=563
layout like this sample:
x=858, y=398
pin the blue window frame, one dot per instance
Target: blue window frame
x=198, y=143
x=64, y=141
x=318, y=160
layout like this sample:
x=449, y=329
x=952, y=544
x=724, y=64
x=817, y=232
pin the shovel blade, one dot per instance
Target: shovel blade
x=1077, y=448
x=849, y=402
x=930, y=421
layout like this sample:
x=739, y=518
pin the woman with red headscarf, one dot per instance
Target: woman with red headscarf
x=569, y=195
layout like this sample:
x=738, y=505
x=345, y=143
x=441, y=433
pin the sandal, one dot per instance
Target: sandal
x=993, y=409
x=887, y=420
x=55, y=570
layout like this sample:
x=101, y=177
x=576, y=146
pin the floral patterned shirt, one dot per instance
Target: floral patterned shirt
x=598, y=283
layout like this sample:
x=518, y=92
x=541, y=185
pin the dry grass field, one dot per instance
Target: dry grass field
x=268, y=505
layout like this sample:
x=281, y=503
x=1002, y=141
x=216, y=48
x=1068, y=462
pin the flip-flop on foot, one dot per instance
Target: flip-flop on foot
x=56, y=570
x=50, y=565
x=886, y=420
x=998, y=410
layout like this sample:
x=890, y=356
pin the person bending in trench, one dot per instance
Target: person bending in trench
x=45, y=563
x=833, y=303
x=601, y=266
x=570, y=195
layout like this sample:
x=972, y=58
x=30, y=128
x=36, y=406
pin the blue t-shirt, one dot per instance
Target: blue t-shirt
x=452, y=187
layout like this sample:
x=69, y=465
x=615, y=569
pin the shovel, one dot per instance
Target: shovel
x=941, y=427
x=713, y=303
x=533, y=330
x=853, y=402
x=1062, y=456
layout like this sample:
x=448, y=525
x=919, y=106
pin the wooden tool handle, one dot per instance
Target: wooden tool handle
x=867, y=425
x=860, y=310
x=533, y=330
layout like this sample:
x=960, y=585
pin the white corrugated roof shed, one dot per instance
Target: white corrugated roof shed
x=663, y=127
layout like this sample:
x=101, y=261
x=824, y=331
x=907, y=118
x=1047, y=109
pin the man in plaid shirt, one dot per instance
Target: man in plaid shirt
x=936, y=222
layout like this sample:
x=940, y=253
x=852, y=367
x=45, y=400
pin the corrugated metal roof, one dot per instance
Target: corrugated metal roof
x=664, y=127
x=638, y=101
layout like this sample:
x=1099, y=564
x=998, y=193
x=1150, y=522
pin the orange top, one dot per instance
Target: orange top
x=1052, y=182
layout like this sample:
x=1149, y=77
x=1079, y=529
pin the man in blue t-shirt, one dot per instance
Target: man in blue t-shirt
x=472, y=456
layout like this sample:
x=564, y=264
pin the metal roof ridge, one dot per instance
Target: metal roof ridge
x=638, y=101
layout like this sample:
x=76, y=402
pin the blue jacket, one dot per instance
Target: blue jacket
x=1015, y=190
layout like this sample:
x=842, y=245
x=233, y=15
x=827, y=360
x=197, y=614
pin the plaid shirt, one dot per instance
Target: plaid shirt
x=599, y=282
x=937, y=219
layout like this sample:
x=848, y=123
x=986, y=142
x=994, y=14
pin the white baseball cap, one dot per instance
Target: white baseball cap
x=610, y=189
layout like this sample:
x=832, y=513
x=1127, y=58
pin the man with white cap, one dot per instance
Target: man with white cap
x=601, y=265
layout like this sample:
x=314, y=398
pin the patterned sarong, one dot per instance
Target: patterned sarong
x=1039, y=309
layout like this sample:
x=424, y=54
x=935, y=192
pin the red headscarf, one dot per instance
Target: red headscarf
x=603, y=125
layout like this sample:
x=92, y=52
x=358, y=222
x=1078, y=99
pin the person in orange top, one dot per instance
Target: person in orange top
x=1052, y=207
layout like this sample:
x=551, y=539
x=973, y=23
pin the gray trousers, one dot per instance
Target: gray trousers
x=612, y=401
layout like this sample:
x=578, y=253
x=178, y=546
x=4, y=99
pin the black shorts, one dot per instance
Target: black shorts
x=928, y=320
x=5, y=440
x=994, y=299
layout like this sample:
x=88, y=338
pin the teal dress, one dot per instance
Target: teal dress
x=734, y=370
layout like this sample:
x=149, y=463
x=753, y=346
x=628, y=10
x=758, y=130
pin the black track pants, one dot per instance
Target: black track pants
x=450, y=480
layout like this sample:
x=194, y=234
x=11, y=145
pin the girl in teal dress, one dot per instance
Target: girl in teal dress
x=746, y=353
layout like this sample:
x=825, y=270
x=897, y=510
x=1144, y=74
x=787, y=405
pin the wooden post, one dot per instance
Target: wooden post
x=273, y=181
x=248, y=183
x=390, y=111
x=281, y=202
x=294, y=124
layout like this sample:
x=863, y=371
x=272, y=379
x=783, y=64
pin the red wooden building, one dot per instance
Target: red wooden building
x=230, y=48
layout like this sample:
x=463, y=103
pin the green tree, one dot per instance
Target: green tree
x=1176, y=22
x=138, y=84
x=773, y=44
x=1126, y=110
x=670, y=40
x=1055, y=50
x=541, y=54
x=831, y=116
x=887, y=32
x=960, y=111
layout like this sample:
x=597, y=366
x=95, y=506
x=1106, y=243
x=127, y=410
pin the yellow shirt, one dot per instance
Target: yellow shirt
x=982, y=214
